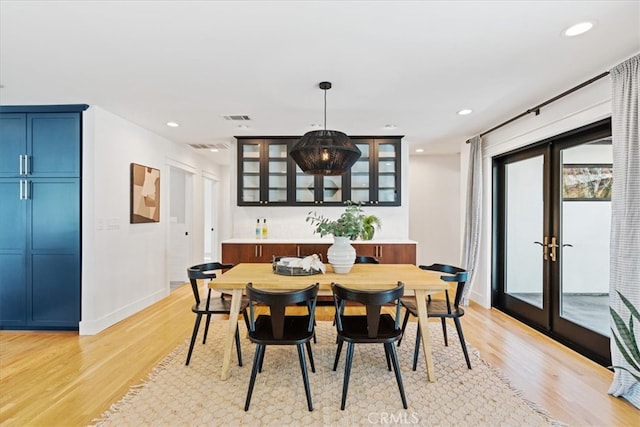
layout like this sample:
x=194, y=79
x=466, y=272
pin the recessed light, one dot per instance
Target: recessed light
x=419, y=150
x=577, y=29
x=172, y=124
x=465, y=111
x=390, y=126
x=214, y=150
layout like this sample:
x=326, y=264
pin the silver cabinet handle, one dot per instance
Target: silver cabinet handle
x=24, y=164
x=24, y=189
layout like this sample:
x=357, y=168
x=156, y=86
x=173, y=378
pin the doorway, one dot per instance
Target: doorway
x=552, y=219
x=210, y=220
x=180, y=214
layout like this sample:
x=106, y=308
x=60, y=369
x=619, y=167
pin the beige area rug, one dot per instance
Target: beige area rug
x=179, y=395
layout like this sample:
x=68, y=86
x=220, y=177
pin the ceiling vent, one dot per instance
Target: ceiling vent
x=218, y=146
x=237, y=118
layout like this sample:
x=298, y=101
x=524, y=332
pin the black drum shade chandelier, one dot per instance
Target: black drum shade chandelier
x=325, y=152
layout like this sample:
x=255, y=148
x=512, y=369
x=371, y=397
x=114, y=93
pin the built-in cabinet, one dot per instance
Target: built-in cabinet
x=267, y=175
x=40, y=158
x=387, y=253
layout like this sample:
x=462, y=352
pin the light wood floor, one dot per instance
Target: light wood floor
x=62, y=379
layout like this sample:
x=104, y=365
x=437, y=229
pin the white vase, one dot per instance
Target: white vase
x=341, y=255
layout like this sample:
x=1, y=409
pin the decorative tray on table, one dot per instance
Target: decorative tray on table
x=281, y=266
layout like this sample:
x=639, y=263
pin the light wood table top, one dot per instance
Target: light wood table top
x=361, y=276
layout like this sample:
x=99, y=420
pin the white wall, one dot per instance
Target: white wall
x=124, y=266
x=434, y=208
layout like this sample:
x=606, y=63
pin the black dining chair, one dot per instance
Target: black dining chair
x=215, y=305
x=279, y=328
x=373, y=327
x=438, y=308
x=363, y=259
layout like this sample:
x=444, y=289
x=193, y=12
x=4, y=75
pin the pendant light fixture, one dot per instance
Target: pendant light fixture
x=325, y=152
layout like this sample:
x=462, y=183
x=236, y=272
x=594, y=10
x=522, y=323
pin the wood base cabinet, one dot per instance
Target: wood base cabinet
x=387, y=253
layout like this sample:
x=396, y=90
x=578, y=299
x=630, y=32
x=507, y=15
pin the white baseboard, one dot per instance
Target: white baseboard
x=92, y=327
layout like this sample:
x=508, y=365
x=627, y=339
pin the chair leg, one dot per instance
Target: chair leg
x=338, y=350
x=305, y=375
x=386, y=355
x=347, y=373
x=416, y=351
x=261, y=359
x=444, y=331
x=462, y=342
x=404, y=325
x=396, y=368
x=196, y=326
x=313, y=366
x=206, y=329
x=254, y=371
x=238, y=349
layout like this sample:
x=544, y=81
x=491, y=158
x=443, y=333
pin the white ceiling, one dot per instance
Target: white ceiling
x=413, y=64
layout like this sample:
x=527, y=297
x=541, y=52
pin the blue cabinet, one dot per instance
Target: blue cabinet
x=40, y=220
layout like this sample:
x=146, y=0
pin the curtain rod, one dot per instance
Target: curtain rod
x=537, y=108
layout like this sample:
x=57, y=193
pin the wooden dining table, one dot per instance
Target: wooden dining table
x=361, y=276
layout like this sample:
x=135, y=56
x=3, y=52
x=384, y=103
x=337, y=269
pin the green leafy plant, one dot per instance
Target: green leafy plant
x=626, y=343
x=371, y=223
x=350, y=224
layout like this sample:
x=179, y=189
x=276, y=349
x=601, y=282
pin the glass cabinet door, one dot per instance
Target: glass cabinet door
x=387, y=166
x=361, y=176
x=305, y=187
x=249, y=189
x=332, y=189
x=277, y=161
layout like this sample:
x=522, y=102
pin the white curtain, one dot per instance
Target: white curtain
x=625, y=232
x=473, y=216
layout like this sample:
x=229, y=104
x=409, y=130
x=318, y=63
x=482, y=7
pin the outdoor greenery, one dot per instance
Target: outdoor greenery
x=352, y=223
x=627, y=343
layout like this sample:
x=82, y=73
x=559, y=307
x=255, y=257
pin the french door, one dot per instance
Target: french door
x=552, y=207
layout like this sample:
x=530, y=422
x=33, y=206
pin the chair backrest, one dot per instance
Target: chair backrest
x=204, y=271
x=277, y=301
x=456, y=274
x=362, y=259
x=373, y=302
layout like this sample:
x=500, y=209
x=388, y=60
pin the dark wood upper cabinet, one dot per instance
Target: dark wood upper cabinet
x=267, y=175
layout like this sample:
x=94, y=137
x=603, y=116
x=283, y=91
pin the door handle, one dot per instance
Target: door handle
x=545, y=255
x=553, y=246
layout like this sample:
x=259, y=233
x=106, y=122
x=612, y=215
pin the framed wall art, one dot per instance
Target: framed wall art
x=587, y=182
x=145, y=194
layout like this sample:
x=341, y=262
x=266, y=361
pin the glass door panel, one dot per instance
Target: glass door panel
x=387, y=172
x=277, y=172
x=585, y=218
x=525, y=230
x=332, y=188
x=250, y=191
x=360, y=177
x=305, y=186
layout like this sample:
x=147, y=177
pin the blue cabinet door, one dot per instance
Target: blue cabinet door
x=53, y=144
x=53, y=244
x=13, y=143
x=40, y=145
x=13, y=271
